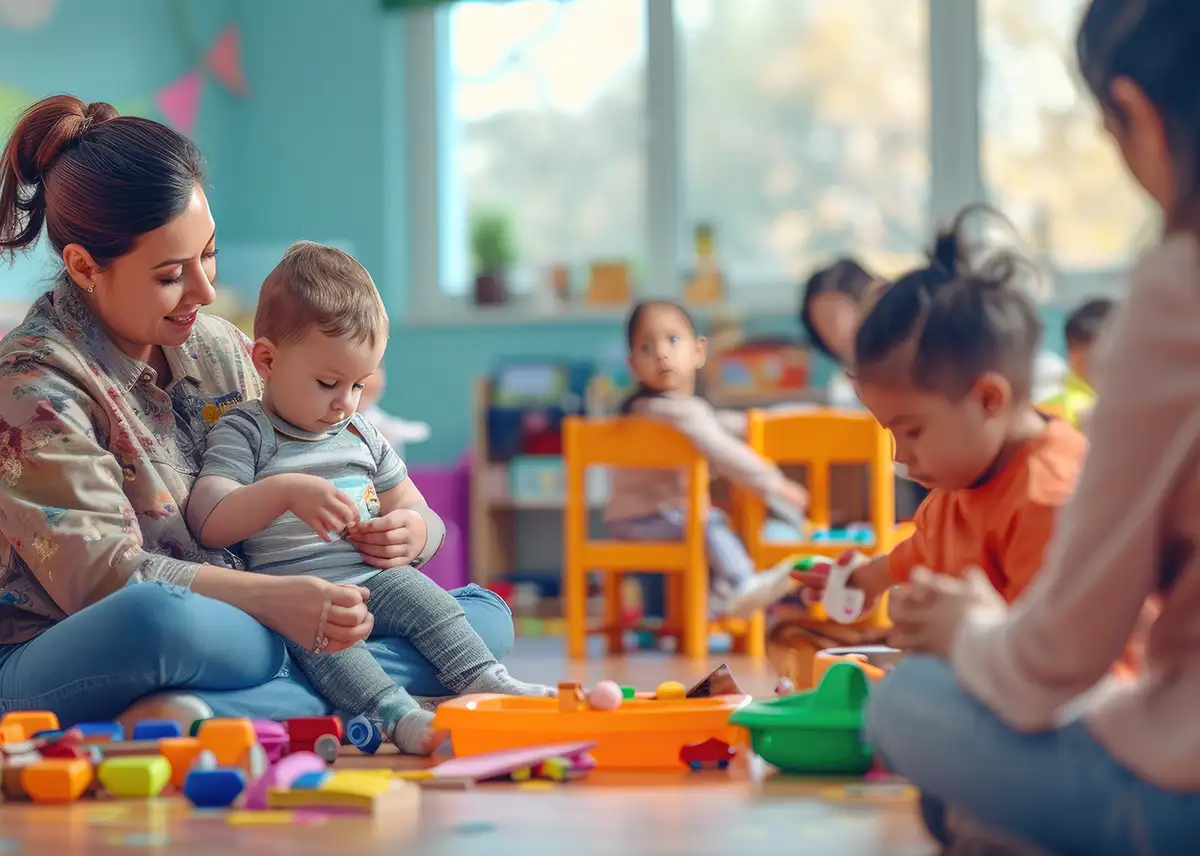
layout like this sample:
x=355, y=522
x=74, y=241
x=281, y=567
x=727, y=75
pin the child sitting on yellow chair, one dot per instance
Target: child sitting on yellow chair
x=944, y=358
x=665, y=353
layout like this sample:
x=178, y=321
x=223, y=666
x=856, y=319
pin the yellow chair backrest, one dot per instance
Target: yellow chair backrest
x=636, y=442
x=819, y=440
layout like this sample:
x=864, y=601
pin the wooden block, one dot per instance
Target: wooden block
x=227, y=739
x=11, y=733
x=10, y=775
x=125, y=748
x=361, y=793
x=571, y=697
x=30, y=722
x=181, y=753
x=57, y=780
x=140, y=777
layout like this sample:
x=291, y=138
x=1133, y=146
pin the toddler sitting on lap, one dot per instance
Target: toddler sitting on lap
x=288, y=476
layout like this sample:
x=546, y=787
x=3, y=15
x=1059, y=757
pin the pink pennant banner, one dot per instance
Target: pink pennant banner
x=179, y=101
x=224, y=60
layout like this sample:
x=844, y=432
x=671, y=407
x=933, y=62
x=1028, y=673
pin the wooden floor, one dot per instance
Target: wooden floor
x=667, y=813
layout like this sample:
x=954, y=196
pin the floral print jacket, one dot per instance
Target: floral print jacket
x=97, y=461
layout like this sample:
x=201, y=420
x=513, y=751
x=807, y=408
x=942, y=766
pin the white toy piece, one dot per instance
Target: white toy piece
x=843, y=603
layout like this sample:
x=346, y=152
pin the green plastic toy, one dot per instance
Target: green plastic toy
x=815, y=732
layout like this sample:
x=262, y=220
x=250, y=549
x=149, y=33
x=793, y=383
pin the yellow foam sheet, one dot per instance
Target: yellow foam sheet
x=351, y=789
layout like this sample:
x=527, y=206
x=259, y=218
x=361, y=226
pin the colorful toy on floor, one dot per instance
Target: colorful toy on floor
x=874, y=660
x=643, y=733
x=304, y=732
x=214, y=788
x=670, y=691
x=606, y=695
x=520, y=764
x=156, y=729
x=710, y=753
x=135, y=777
x=369, y=791
x=718, y=682
x=364, y=735
x=815, y=732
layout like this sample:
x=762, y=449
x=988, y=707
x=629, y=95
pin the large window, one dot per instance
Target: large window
x=805, y=131
x=544, y=132
x=794, y=130
x=1046, y=162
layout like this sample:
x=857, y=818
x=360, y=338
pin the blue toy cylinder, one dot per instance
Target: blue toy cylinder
x=364, y=735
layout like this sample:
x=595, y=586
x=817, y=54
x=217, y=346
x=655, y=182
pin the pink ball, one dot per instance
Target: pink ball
x=606, y=695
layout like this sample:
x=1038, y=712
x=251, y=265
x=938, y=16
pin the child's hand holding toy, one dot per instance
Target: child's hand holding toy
x=390, y=541
x=847, y=588
x=327, y=510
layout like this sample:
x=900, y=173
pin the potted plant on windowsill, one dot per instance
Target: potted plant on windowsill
x=493, y=247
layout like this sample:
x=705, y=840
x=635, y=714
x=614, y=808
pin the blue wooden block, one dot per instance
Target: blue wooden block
x=363, y=734
x=156, y=729
x=214, y=788
x=111, y=731
x=310, y=781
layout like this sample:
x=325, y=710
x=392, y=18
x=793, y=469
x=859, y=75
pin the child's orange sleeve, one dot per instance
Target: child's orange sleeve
x=1026, y=539
x=914, y=550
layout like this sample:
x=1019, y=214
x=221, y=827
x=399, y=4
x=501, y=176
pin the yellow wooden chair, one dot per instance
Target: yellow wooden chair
x=819, y=440
x=639, y=443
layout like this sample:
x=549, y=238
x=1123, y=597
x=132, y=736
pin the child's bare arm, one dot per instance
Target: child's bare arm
x=729, y=456
x=222, y=513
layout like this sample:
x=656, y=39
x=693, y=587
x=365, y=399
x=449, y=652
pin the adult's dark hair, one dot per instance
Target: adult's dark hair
x=1152, y=43
x=91, y=178
x=1086, y=321
x=844, y=276
x=947, y=323
x=632, y=323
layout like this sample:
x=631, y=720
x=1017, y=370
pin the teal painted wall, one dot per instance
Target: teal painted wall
x=122, y=51
x=315, y=151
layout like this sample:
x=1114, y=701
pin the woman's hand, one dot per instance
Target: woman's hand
x=929, y=611
x=390, y=541
x=320, y=615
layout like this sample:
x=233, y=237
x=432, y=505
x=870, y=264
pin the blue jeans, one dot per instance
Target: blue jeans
x=1059, y=789
x=147, y=638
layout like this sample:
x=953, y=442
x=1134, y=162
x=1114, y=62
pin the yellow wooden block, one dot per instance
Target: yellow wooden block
x=363, y=793
x=135, y=776
x=57, y=780
x=412, y=775
x=359, y=783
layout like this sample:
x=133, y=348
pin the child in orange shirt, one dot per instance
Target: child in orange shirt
x=944, y=359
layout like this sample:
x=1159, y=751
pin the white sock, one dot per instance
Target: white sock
x=497, y=680
x=414, y=733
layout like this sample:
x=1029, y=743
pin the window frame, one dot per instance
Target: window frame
x=954, y=70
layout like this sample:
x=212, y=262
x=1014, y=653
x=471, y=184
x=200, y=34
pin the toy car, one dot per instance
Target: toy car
x=710, y=753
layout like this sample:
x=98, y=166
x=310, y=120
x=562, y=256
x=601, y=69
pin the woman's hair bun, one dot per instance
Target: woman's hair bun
x=50, y=127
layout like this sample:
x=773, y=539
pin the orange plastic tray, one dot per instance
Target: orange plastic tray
x=641, y=734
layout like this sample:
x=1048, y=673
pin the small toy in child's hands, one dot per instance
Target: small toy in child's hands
x=844, y=603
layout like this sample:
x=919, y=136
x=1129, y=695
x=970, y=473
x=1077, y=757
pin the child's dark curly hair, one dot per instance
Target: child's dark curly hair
x=944, y=325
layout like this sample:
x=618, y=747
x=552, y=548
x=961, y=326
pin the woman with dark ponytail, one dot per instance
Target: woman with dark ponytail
x=1009, y=722
x=107, y=390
